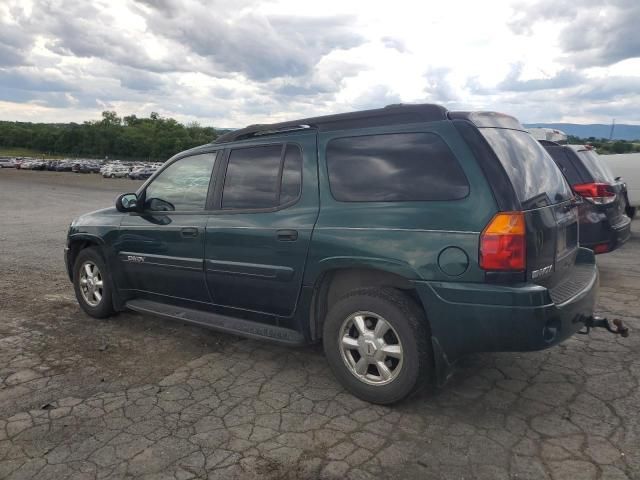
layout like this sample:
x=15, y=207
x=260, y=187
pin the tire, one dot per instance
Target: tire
x=112, y=176
x=631, y=212
x=408, y=328
x=104, y=307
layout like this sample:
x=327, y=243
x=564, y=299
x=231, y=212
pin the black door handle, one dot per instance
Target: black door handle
x=189, y=232
x=287, y=235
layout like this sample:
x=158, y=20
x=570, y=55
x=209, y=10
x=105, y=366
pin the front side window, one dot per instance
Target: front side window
x=181, y=186
x=397, y=167
x=262, y=177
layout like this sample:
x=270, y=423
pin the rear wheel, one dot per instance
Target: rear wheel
x=631, y=211
x=376, y=343
x=92, y=284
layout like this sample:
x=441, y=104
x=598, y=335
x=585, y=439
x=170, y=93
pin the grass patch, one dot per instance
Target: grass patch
x=26, y=152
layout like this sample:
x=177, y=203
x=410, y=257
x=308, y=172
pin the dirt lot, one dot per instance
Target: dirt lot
x=136, y=396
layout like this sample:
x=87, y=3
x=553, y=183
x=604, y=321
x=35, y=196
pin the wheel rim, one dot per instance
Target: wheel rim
x=91, y=283
x=370, y=348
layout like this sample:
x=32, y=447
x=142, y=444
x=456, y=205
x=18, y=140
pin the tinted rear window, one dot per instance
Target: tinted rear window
x=565, y=164
x=535, y=177
x=596, y=166
x=398, y=167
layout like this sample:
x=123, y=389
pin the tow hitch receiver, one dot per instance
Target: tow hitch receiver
x=617, y=328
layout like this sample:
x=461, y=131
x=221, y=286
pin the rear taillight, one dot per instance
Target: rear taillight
x=503, y=243
x=598, y=193
x=601, y=248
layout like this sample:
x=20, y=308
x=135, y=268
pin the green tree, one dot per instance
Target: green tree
x=129, y=137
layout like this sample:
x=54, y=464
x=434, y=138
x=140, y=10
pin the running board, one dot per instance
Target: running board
x=223, y=323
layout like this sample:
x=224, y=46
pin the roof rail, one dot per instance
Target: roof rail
x=391, y=114
x=292, y=128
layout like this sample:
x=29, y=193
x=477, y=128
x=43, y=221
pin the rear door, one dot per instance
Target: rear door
x=546, y=199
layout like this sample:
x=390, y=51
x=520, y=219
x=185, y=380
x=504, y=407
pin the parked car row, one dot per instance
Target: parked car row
x=115, y=169
x=77, y=166
x=132, y=171
x=402, y=238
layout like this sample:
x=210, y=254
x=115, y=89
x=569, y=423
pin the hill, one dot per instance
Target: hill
x=597, y=130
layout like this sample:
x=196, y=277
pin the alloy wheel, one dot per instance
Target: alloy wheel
x=370, y=348
x=91, y=283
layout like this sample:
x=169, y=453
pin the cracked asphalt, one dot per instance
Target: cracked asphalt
x=139, y=397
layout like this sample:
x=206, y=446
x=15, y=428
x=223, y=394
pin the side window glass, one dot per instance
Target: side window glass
x=253, y=177
x=183, y=185
x=564, y=162
x=291, y=175
x=398, y=167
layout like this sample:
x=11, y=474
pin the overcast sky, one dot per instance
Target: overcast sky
x=231, y=63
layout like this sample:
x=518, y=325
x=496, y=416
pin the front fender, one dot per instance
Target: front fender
x=70, y=252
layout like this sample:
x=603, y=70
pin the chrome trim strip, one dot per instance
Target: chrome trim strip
x=398, y=230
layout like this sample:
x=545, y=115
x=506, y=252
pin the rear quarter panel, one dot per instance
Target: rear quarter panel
x=405, y=238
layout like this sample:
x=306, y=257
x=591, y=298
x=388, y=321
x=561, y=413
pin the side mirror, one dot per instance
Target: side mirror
x=127, y=202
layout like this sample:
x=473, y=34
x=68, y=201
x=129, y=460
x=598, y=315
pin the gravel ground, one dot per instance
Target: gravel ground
x=140, y=397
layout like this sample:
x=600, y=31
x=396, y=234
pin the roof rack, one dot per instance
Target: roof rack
x=391, y=114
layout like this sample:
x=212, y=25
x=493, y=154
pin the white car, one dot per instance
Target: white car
x=7, y=163
x=116, y=172
x=627, y=166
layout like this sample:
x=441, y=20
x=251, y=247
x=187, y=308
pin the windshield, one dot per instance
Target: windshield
x=597, y=168
x=536, y=178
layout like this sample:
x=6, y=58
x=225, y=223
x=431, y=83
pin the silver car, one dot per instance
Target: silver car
x=7, y=162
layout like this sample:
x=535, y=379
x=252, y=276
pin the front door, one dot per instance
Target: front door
x=161, y=249
x=258, y=238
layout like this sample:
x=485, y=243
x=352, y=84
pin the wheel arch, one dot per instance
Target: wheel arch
x=76, y=244
x=333, y=283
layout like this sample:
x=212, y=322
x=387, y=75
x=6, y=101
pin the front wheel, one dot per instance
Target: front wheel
x=377, y=344
x=92, y=284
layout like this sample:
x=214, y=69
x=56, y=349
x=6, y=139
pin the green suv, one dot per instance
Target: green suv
x=402, y=238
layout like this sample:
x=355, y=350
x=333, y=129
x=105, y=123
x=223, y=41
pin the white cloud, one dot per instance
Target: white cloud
x=260, y=61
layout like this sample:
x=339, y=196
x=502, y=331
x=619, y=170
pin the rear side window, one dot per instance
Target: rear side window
x=262, y=177
x=397, y=167
x=596, y=166
x=535, y=177
x=565, y=164
x=291, y=175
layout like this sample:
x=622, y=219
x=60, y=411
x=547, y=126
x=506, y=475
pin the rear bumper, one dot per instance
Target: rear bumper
x=466, y=318
x=596, y=229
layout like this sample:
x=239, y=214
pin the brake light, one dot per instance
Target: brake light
x=503, y=243
x=597, y=193
x=601, y=248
